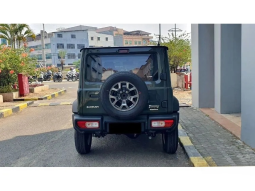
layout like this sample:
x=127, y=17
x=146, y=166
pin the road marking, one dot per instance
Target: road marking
x=51, y=104
x=65, y=103
x=43, y=104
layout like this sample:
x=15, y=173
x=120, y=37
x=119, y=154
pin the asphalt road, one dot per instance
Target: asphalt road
x=43, y=136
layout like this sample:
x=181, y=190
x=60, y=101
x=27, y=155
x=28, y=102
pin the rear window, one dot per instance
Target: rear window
x=100, y=67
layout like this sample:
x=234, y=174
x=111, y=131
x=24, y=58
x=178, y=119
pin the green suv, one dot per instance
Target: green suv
x=125, y=90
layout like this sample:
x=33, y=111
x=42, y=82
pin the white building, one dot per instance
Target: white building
x=72, y=40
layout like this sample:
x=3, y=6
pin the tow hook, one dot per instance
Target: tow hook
x=151, y=135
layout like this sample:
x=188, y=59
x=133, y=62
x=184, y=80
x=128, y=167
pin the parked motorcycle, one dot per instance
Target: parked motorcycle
x=58, y=76
x=40, y=78
x=71, y=76
x=47, y=75
x=32, y=79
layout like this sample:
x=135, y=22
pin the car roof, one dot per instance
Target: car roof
x=123, y=47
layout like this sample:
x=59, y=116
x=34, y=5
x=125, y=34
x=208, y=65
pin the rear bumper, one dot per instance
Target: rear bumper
x=145, y=121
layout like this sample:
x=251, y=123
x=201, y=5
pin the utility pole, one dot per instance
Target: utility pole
x=175, y=30
x=43, y=47
x=159, y=36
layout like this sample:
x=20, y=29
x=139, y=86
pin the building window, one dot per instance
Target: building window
x=80, y=46
x=98, y=38
x=60, y=46
x=135, y=42
x=70, y=64
x=59, y=35
x=126, y=41
x=73, y=36
x=106, y=38
x=48, y=56
x=130, y=42
x=79, y=55
x=92, y=38
x=47, y=46
x=139, y=42
x=3, y=41
x=38, y=47
x=144, y=42
x=39, y=57
x=70, y=46
x=71, y=55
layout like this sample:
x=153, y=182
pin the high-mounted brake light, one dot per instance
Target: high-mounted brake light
x=88, y=124
x=162, y=123
x=123, y=51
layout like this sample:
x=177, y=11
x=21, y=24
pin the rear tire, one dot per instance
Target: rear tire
x=170, y=141
x=82, y=142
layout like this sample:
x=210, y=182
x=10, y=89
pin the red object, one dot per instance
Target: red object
x=188, y=81
x=162, y=123
x=88, y=124
x=23, y=85
x=15, y=86
x=123, y=51
x=11, y=72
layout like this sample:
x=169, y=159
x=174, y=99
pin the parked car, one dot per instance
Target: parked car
x=182, y=70
x=132, y=95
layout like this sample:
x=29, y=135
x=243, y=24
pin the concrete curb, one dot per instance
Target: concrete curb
x=7, y=112
x=194, y=156
x=47, y=97
x=51, y=104
x=55, y=94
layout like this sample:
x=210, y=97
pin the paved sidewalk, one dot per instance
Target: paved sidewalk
x=214, y=143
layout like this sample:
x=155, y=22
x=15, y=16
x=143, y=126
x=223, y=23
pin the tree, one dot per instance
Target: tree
x=12, y=63
x=77, y=64
x=23, y=31
x=179, y=49
x=7, y=31
x=15, y=33
x=62, y=55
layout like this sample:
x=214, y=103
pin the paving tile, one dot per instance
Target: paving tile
x=212, y=140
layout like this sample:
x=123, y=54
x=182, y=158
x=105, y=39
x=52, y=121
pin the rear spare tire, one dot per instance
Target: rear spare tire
x=124, y=95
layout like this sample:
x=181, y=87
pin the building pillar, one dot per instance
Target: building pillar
x=248, y=84
x=227, y=44
x=202, y=45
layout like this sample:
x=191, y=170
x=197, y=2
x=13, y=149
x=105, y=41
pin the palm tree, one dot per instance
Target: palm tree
x=7, y=31
x=15, y=32
x=62, y=55
x=23, y=31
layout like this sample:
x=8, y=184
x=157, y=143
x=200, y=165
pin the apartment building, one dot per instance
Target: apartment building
x=71, y=40
x=125, y=38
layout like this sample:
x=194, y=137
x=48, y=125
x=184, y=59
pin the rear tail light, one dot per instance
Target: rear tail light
x=162, y=123
x=88, y=124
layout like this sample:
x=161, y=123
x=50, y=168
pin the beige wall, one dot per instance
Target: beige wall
x=135, y=38
x=173, y=80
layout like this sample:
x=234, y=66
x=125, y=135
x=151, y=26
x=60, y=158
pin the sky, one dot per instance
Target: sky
x=151, y=28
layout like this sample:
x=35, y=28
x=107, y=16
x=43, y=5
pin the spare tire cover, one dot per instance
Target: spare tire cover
x=124, y=95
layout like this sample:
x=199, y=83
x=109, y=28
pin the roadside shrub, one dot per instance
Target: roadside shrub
x=13, y=62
